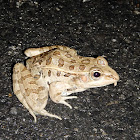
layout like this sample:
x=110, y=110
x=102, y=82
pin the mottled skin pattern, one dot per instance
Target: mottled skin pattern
x=59, y=72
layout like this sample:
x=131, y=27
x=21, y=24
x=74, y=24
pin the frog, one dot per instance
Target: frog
x=57, y=72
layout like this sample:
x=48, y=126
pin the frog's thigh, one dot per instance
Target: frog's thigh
x=56, y=90
x=31, y=95
x=18, y=87
x=36, y=51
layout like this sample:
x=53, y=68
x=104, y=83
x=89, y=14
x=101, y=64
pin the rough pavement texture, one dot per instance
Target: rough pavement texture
x=95, y=27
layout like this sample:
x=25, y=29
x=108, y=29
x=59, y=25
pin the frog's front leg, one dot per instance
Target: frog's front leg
x=58, y=93
x=30, y=92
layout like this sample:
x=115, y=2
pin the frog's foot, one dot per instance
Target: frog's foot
x=62, y=100
x=60, y=96
x=45, y=113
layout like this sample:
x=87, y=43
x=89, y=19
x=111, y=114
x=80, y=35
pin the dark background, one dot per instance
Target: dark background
x=95, y=27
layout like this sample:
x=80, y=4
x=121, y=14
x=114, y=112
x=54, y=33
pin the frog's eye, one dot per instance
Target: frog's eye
x=96, y=74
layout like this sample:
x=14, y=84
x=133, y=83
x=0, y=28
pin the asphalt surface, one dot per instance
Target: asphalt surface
x=94, y=27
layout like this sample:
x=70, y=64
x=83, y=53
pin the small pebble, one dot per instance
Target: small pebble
x=13, y=111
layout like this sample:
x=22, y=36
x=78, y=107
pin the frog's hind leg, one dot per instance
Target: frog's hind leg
x=36, y=51
x=18, y=88
x=30, y=92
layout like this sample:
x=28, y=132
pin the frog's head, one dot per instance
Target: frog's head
x=101, y=74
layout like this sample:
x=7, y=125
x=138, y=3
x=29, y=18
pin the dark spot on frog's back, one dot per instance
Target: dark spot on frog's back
x=67, y=74
x=80, y=57
x=58, y=73
x=71, y=67
x=60, y=62
x=42, y=55
x=34, y=59
x=37, y=76
x=68, y=55
x=49, y=73
x=82, y=67
x=86, y=61
x=73, y=61
x=56, y=53
x=48, y=61
x=40, y=61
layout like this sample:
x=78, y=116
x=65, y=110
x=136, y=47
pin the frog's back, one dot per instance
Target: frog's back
x=61, y=60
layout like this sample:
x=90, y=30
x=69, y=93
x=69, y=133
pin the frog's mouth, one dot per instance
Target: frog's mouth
x=112, y=78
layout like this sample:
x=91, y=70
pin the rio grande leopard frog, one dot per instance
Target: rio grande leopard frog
x=57, y=71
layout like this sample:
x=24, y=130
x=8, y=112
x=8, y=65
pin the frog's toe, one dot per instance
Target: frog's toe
x=62, y=101
x=65, y=103
x=45, y=113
